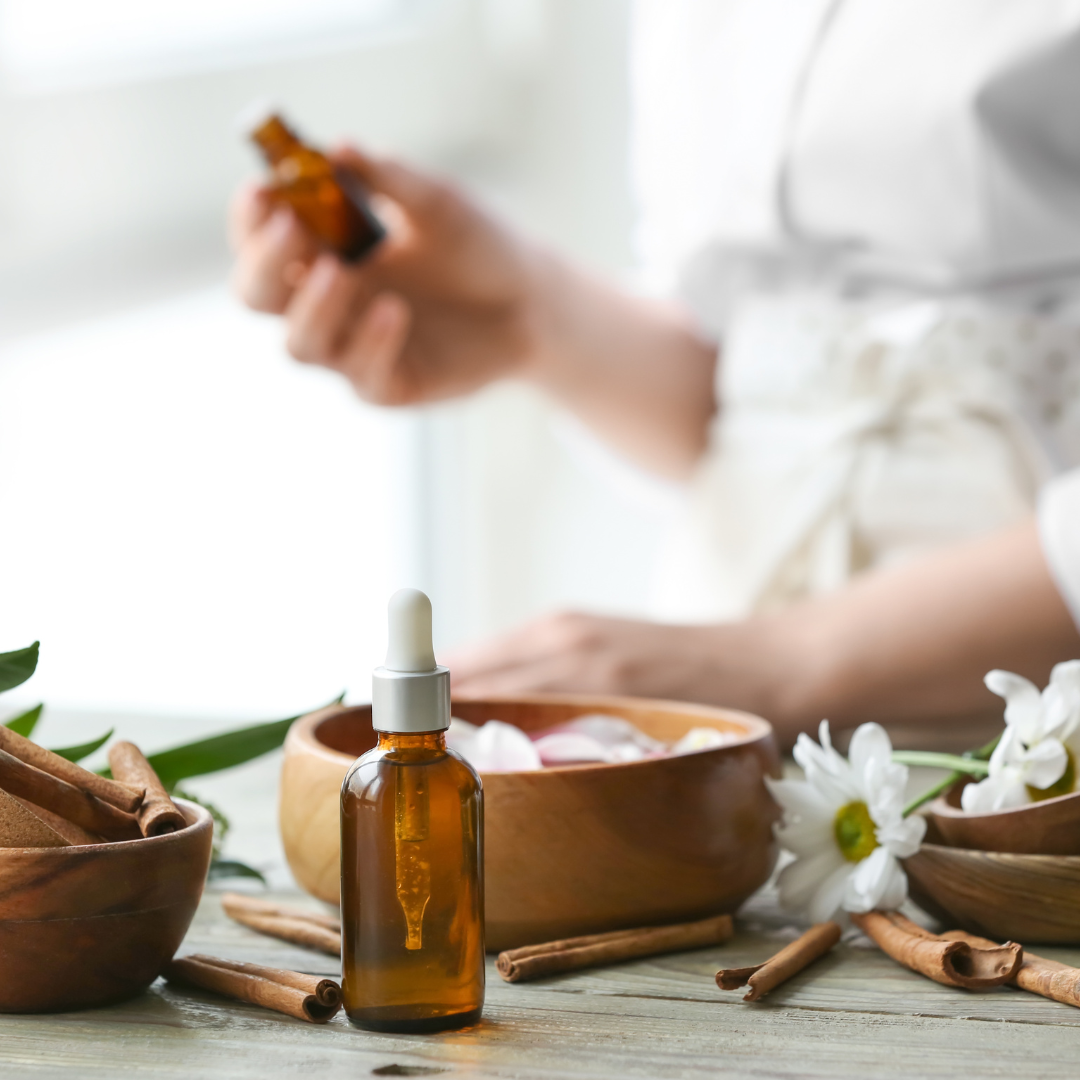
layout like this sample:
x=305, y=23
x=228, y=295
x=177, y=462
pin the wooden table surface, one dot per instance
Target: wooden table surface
x=855, y=1013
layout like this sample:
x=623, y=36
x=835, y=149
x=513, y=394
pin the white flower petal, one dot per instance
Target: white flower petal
x=879, y=881
x=1044, y=764
x=1001, y=792
x=1023, y=703
x=830, y=894
x=799, y=881
x=797, y=797
x=904, y=836
x=869, y=744
x=806, y=838
x=1061, y=699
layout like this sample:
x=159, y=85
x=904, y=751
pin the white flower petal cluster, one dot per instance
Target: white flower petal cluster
x=844, y=823
x=1042, y=734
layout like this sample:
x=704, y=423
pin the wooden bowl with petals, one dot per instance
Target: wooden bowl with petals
x=1049, y=827
x=575, y=849
x=90, y=925
x=1032, y=899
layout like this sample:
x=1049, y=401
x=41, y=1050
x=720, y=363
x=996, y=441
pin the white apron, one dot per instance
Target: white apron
x=890, y=261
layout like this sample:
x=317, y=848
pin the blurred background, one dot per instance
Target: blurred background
x=196, y=526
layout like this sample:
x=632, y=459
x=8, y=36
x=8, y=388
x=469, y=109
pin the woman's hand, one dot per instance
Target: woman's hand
x=452, y=299
x=443, y=305
x=743, y=665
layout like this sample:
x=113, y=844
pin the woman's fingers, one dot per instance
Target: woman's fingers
x=321, y=311
x=372, y=361
x=267, y=261
x=249, y=208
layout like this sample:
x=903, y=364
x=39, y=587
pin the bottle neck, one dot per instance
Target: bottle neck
x=275, y=140
x=412, y=740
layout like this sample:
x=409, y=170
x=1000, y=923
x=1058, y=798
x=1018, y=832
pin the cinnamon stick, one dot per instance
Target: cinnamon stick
x=20, y=827
x=1037, y=974
x=74, y=834
x=790, y=960
x=306, y=997
x=953, y=963
x=158, y=814
x=239, y=902
x=572, y=954
x=320, y=932
x=112, y=792
x=74, y=803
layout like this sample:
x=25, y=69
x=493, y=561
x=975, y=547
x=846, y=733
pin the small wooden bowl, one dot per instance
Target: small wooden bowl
x=83, y=926
x=1033, y=899
x=575, y=849
x=1050, y=827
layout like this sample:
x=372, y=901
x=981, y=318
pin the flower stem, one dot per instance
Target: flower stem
x=969, y=766
x=970, y=763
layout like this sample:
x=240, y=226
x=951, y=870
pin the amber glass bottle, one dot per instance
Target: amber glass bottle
x=412, y=904
x=328, y=200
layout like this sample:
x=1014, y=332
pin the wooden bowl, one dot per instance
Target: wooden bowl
x=580, y=848
x=1050, y=827
x=90, y=925
x=1033, y=899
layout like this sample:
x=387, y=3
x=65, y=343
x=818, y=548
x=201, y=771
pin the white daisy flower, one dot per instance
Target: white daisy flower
x=844, y=823
x=1036, y=757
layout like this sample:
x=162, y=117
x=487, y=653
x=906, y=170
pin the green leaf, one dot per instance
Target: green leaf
x=231, y=868
x=23, y=725
x=83, y=750
x=16, y=667
x=220, y=751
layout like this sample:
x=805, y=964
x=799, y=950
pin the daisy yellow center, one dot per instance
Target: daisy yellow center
x=1064, y=786
x=854, y=831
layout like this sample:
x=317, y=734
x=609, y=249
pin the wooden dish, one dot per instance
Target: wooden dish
x=91, y=925
x=1050, y=827
x=1033, y=899
x=580, y=848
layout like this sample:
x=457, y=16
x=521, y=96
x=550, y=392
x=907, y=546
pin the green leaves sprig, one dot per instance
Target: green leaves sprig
x=177, y=763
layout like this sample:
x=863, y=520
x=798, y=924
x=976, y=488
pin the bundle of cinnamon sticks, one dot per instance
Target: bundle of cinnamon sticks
x=48, y=801
x=307, y=997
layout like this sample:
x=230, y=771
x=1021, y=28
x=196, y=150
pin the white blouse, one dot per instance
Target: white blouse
x=875, y=206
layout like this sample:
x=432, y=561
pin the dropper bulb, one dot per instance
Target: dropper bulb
x=409, y=647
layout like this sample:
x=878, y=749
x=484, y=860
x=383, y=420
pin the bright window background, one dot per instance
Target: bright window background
x=47, y=44
x=196, y=526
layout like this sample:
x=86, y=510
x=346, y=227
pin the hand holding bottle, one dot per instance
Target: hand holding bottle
x=441, y=306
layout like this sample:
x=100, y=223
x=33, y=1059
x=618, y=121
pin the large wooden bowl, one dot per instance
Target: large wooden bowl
x=575, y=849
x=1033, y=899
x=84, y=926
x=1049, y=827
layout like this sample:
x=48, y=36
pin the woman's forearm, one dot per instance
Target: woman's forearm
x=913, y=643
x=636, y=371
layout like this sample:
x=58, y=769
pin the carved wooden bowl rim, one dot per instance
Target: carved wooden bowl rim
x=943, y=807
x=303, y=735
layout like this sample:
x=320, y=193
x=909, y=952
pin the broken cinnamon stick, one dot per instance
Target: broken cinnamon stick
x=790, y=960
x=312, y=931
x=157, y=814
x=112, y=792
x=20, y=827
x=74, y=803
x=1037, y=974
x=74, y=834
x=953, y=963
x=572, y=954
x=307, y=997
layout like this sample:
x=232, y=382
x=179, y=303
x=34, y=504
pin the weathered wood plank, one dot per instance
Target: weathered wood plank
x=854, y=1014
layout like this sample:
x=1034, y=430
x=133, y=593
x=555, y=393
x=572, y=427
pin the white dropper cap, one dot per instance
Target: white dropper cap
x=410, y=692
